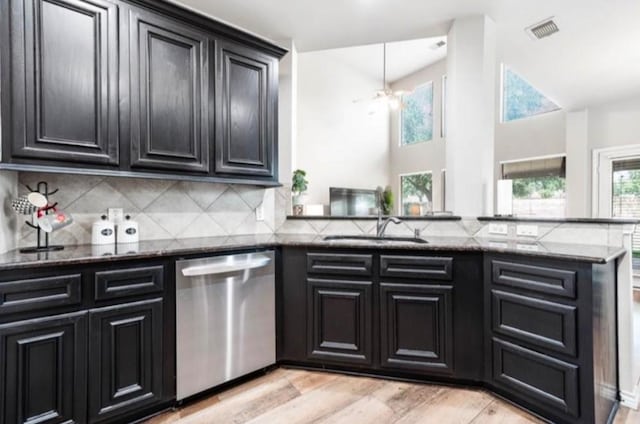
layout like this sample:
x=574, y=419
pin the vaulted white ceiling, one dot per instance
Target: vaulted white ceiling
x=593, y=59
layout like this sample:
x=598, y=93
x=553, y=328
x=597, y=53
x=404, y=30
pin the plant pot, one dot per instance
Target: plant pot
x=297, y=201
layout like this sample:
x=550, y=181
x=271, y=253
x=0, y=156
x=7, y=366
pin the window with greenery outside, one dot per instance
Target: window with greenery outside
x=417, y=115
x=520, y=99
x=416, y=193
x=539, y=196
x=626, y=201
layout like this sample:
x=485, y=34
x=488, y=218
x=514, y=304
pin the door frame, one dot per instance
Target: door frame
x=602, y=182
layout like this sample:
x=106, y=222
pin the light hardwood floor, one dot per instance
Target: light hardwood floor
x=294, y=396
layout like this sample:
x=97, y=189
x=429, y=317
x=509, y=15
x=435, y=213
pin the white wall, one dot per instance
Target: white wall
x=8, y=218
x=471, y=67
x=287, y=110
x=339, y=143
x=540, y=135
x=614, y=124
x=420, y=157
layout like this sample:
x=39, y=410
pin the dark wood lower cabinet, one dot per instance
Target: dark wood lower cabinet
x=340, y=321
x=538, y=331
x=43, y=372
x=416, y=327
x=126, y=367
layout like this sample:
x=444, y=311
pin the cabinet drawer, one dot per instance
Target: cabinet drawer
x=539, y=322
x=538, y=378
x=40, y=293
x=422, y=267
x=127, y=282
x=339, y=263
x=553, y=281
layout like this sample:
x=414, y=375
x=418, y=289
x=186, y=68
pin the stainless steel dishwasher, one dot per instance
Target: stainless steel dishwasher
x=225, y=319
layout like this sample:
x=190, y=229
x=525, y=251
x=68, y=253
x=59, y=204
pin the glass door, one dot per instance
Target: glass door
x=625, y=199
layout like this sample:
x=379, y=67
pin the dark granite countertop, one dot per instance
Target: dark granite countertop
x=375, y=217
x=562, y=220
x=152, y=249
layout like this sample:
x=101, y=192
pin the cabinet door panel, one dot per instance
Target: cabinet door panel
x=417, y=327
x=169, y=95
x=247, y=101
x=65, y=81
x=339, y=321
x=43, y=375
x=126, y=351
x=538, y=378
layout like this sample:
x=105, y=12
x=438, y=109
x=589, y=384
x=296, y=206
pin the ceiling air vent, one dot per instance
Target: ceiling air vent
x=438, y=45
x=542, y=29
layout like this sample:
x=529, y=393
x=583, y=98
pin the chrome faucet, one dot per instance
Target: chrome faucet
x=382, y=225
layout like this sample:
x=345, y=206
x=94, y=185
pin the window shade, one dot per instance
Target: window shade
x=552, y=167
x=626, y=165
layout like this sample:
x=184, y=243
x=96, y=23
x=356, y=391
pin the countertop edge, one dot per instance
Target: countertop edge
x=615, y=221
x=39, y=262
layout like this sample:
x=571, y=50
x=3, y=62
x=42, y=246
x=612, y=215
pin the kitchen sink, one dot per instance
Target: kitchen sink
x=376, y=239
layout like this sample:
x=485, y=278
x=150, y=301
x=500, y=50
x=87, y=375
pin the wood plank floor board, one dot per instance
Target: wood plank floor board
x=455, y=406
x=291, y=396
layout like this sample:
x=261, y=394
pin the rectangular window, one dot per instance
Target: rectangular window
x=416, y=194
x=417, y=115
x=520, y=99
x=539, y=186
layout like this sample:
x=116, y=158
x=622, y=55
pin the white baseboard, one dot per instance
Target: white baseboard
x=629, y=399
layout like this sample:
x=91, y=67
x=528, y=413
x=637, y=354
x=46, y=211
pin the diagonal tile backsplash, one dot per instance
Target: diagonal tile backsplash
x=163, y=209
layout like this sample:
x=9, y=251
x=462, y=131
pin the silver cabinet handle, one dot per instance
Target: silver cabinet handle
x=224, y=268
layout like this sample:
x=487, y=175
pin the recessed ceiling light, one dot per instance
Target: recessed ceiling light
x=542, y=29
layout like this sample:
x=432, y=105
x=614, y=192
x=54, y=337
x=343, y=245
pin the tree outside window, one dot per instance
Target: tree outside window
x=520, y=99
x=539, y=196
x=417, y=115
x=416, y=193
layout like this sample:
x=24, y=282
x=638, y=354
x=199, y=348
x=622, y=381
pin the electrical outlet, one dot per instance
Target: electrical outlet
x=527, y=247
x=260, y=212
x=496, y=228
x=116, y=215
x=527, y=230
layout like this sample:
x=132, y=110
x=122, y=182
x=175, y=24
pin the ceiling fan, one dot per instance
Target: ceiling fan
x=392, y=98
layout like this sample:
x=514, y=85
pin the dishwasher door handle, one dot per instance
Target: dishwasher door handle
x=225, y=268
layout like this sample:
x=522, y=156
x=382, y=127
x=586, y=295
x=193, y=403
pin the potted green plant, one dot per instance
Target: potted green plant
x=386, y=200
x=299, y=185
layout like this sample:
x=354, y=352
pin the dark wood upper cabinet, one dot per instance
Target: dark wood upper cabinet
x=64, y=81
x=169, y=71
x=247, y=99
x=142, y=88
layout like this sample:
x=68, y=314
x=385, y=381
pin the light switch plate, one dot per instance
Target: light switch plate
x=527, y=230
x=116, y=215
x=260, y=212
x=496, y=228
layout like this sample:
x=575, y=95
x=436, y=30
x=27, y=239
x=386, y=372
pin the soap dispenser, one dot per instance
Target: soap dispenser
x=103, y=231
x=128, y=231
